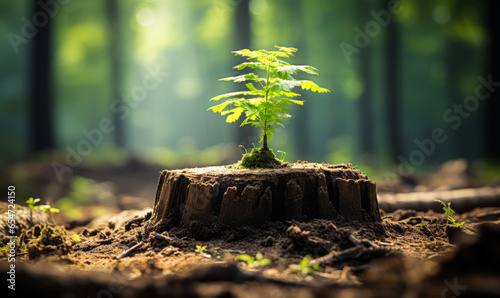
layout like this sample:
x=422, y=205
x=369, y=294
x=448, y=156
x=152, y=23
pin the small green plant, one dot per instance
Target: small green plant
x=76, y=238
x=304, y=268
x=31, y=204
x=200, y=249
x=447, y=213
x=283, y=155
x=267, y=100
x=254, y=262
x=49, y=209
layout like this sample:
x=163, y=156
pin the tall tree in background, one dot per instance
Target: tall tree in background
x=492, y=122
x=41, y=101
x=243, y=41
x=301, y=118
x=115, y=68
x=366, y=100
x=392, y=53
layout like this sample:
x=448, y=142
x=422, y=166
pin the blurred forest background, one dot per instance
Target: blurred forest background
x=150, y=67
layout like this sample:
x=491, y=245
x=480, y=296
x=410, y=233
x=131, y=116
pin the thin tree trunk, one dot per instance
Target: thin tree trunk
x=301, y=119
x=366, y=99
x=41, y=105
x=243, y=38
x=492, y=123
x=392, y=84
x=115, y=68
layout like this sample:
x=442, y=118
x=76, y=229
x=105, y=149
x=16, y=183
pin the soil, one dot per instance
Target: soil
x=405, y=255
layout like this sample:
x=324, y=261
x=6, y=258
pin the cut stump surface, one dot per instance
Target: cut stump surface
x=235, y=197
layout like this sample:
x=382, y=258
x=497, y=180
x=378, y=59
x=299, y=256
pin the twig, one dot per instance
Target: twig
x=366, y=242
x=354, y=240
x=130, y=250
x=333, y=256
x=160, y=236
x=105, y=241
x=385, y=243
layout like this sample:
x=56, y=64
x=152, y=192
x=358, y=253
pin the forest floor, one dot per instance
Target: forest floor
x=409, y=254
x=406, y=255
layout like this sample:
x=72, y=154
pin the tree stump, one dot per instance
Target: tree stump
x=235, y=197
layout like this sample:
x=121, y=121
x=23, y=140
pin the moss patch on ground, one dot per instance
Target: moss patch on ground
x=258, y=158
x=45, y=239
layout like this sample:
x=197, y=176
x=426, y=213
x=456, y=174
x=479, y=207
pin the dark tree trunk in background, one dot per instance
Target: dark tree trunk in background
x=300, y=120
x=392, y=87
x=366, y=110
x=367, y=128
x=115, y=68
x=41, y=101
x=245, y=134
x=492, y=123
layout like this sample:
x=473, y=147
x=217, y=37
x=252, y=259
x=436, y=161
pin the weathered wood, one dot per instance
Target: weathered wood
x=238, y=197
x=461, y=199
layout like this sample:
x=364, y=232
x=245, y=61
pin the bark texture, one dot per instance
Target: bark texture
x=235, y=197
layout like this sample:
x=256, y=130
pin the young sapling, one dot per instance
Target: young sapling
x=49, y=209
x=304, y=268
x=447, y=213
x=259, y=260
x=31, y=204
x=200, y=249
x=267, y=100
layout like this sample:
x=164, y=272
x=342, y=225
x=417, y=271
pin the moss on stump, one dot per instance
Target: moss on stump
x=258, y=158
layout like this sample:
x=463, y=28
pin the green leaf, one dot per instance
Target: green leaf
x=246, y=258
x=310, y=85
x=265, y=262
x=298, y=102
x=54, y=210
x=247, y=53
x=251, y=87
x=249, y=64
x=236, y=113
x=288, y=50
x=31, y=202
x=256, y=101
x=220, y=107
x=292, y=69
x=279, y=122
x=305, y=261
x=288, y=85
x=243, y=78
x=231, y=94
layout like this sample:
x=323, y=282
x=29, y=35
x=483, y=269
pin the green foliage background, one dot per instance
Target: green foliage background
x=191, y=41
